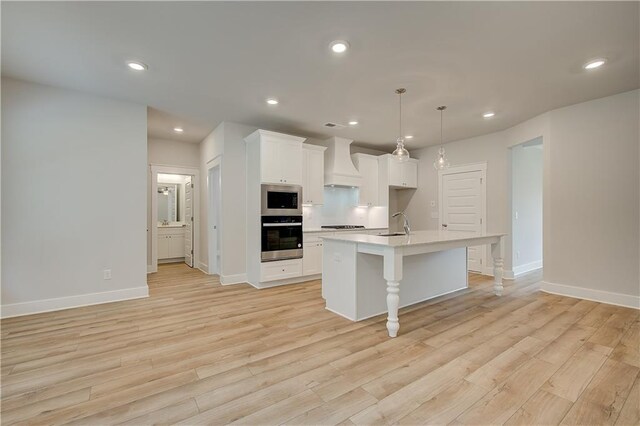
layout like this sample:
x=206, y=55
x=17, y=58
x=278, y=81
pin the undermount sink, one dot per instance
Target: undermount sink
x=394, y=234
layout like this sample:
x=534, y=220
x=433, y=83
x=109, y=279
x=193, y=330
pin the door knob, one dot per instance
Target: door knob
x=444, y=225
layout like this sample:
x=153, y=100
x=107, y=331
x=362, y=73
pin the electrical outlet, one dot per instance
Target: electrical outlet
x=106, y=274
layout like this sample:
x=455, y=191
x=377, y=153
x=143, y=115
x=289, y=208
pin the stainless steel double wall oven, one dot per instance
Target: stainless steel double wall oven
x=281, y=222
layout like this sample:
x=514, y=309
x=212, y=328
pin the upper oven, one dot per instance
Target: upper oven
x=281, y=200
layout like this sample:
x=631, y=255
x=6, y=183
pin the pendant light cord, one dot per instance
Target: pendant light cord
x=400, y=118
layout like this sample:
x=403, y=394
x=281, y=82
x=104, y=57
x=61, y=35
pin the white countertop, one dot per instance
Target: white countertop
x=414, y=239
x=339, y=230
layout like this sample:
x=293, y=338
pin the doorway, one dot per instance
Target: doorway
x=526, y=206
x=462, y=200
x=174, y=222
x=214, y=218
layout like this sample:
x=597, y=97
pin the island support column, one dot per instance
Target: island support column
x=496, y=253
x=393, y=275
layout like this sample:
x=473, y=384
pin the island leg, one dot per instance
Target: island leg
x=393, y=301
x=393, y=275
x=496, y=253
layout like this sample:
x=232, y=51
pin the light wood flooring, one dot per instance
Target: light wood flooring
x=199, y=353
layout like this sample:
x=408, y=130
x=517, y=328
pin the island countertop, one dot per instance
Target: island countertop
x=414, y=239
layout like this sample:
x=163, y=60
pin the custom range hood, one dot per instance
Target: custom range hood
x=338, y=167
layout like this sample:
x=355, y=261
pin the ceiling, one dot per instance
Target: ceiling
x=160, y=125
x=212, y=62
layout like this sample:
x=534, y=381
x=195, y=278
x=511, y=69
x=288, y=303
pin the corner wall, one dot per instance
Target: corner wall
x=227, y=140
x=591, y=191
x=74, y=198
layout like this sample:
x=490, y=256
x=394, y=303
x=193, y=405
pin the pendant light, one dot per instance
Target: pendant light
x=400, y=152
x=441, y=162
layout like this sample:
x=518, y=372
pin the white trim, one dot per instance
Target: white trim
x=203, y=267
x=189, y=171
x=233, y=279
x=466, y=168
x=59, y=303
x=619, y=299
x=527, y=267
x=213, y=254
x=150, y=269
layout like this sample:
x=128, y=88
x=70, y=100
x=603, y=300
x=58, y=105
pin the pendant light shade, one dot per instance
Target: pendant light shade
x=400, y=152
x=441, y=161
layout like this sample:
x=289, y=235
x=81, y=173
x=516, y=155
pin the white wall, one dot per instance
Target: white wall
x=526, y=201
x=591, y=241
x=58, y=239
x=173, y=153
x=227, y=140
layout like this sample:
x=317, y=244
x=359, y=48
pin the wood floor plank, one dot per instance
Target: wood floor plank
x=605, y=395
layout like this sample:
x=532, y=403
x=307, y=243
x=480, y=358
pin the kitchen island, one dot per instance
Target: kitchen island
x=359, y=270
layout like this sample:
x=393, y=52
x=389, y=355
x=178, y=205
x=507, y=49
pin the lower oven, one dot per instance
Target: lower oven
x=281, y=238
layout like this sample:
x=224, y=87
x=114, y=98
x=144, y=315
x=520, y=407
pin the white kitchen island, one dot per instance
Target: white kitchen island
x=363, y=275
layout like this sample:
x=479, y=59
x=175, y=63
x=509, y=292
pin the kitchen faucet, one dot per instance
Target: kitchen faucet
x=407, y=229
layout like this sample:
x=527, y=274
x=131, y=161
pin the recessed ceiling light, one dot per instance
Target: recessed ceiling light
x=353, y=123
x=137, y=66
x=409, y=137
x=596, y=63
x=272, y=101
x=339, y=46
x=488, y=114
x=178, y=129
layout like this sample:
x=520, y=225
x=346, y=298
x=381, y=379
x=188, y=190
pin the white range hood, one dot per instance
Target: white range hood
x=338, y=167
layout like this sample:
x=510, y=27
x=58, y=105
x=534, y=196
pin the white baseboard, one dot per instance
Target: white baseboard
x=233, y=279
x=619, y=299
x=527, y=267
x=151, y=269
x=57, y=304
x=203, y=267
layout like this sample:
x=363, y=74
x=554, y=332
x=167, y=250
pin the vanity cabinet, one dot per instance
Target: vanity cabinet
x=312, y=174
x=280, y=159
x=401, y=174
x=170, y=243
x=367, y=165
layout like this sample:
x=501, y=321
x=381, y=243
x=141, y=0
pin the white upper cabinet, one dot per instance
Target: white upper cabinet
x=280, y=157
x=312, y=174
x=402, y=174
x=367, y=165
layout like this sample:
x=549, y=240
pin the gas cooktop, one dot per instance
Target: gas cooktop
x=342, y=227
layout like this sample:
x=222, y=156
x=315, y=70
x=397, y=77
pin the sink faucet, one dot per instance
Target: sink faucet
x=407, y=229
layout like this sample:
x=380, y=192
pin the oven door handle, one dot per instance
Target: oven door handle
x=269, y=225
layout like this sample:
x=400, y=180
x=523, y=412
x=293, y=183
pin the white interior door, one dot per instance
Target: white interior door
x=462, y=203
x=188, y=218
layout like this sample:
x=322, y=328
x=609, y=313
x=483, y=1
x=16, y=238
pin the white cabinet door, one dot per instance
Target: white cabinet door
x=313, y=176
x=270, y=161
x=368, y=168
x=176, y=246
x=403, y=175
x=290, y=159
x=280, y=162
x=312, y=259
x=395, y=172
x=163, y=246
x=410, y=174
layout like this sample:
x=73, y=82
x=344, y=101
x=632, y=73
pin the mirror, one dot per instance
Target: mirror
x=168, y=207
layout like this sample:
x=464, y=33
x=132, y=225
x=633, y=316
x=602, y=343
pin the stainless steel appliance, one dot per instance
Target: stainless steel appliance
x=281, y=200
x=281, y=238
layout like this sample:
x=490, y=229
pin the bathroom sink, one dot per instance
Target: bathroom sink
x=395, y=234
